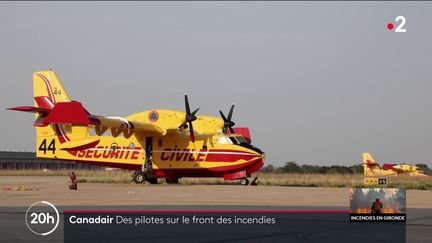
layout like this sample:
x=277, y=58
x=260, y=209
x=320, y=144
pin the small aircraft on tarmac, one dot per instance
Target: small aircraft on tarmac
x=372, y=168
x=155, y=143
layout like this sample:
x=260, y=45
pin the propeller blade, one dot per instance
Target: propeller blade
x=187, y=105
x=192, y=135
x=189, y=118
x=223, y=116
x=194, y=112
x=182, y=125
x=231, y=112
x=231, y=130
x=228, y=124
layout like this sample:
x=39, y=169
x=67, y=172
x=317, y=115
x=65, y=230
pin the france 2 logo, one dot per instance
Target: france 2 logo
x=400, y=21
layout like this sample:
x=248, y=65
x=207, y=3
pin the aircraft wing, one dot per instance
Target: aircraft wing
x=121, y=123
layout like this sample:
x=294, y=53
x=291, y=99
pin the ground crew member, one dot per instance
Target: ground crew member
x=376, y=207
x=74, y=181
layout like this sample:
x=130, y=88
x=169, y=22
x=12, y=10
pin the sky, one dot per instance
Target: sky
x=316, y=82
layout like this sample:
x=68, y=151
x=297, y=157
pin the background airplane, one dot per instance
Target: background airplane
x=372, y=168
x=155, y=143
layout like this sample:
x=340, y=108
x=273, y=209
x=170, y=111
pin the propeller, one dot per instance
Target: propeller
x=189, y=118
x=228, y=123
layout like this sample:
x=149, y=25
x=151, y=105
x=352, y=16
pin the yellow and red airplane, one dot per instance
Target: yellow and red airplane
x=155, y=144
x=372, y=168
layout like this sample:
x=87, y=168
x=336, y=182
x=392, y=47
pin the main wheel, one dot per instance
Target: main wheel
x=139, y=177
x=244, y=182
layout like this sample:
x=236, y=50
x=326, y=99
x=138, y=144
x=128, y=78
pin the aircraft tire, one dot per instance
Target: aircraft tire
x=139, y=177
x=244, y=182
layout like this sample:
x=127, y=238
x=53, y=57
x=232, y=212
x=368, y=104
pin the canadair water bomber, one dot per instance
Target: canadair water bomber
x=372, y=168
x=154, y=144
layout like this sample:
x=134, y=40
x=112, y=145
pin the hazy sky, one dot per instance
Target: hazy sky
x=316, y=82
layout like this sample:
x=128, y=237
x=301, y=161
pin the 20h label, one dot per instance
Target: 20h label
x=42, y=218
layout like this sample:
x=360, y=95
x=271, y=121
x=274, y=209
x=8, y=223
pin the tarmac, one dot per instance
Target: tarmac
x=13, y=203
x=55, y=190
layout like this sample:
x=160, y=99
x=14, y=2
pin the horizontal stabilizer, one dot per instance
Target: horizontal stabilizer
x=68, y=113
x=28, y=109
x=388, y=167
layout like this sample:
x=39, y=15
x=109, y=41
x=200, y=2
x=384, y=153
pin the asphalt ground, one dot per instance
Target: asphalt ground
x=55, y=190
x=13, y=204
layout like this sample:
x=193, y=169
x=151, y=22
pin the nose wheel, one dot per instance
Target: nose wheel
x=244, y=181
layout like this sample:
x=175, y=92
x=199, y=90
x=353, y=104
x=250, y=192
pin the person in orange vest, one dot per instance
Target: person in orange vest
x=74, y=180
x=376, y=207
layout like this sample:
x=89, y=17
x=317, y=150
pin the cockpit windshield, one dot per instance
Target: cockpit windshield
x=241, y=139
x=232, y=140
x=224, y=140
x=237, y=140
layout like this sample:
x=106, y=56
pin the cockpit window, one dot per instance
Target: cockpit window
x=241, y=139
x=224, y=140
x=233, y=140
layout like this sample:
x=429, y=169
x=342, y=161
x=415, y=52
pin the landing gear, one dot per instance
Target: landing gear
x=255, y=181
x=244, y=181
x=139, y=177
x=146, y=173
x=172, y=180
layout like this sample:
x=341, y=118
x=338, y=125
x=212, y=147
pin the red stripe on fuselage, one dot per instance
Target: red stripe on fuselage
x=251, y=167
x=107, y=164
x=231, y=156
x=234, y=167
x=211, y=155
x=60, y=134
x=62, y=137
